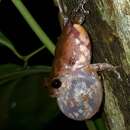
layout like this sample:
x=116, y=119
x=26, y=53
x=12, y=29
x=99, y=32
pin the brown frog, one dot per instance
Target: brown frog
x=74, y=80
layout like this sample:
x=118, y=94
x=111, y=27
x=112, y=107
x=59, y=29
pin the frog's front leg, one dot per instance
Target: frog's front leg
x=104, y=67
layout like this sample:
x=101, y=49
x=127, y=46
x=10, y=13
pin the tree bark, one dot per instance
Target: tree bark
x=108, y=24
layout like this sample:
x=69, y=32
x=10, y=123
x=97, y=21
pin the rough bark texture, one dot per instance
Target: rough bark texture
x=108, y=24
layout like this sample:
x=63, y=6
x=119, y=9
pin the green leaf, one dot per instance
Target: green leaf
x=9, y=68
x=6, y=42
x=5, y=95
x=33, y=106
x=10, y=72
x=24, y=101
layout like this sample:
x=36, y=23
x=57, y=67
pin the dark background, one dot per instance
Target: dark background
x=17, y=30
x=25, y=41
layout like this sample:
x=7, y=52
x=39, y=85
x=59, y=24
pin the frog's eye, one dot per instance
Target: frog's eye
x=56, y=83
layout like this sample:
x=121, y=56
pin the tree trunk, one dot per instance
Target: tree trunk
x=108, y=24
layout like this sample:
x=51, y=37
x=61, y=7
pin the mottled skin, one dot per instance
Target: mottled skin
x=79, y=95
x=80, y=100
x=68, y=49
x=73, y=51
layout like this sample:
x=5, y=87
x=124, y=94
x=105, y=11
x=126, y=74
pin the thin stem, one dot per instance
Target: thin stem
x=99, y=123
x=34, y=25
x=33, y=53
x=90, y=125
x=26, y=58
